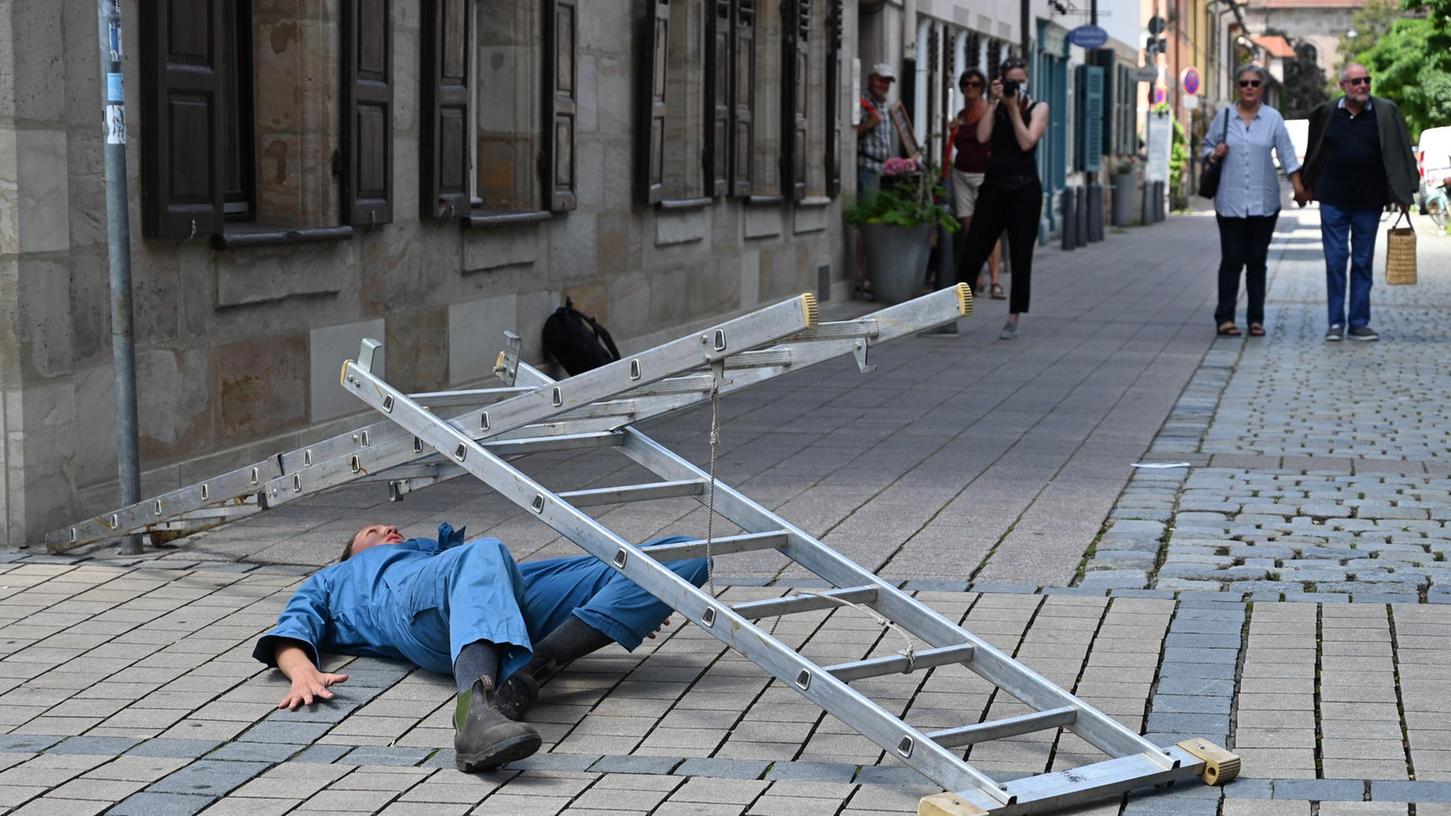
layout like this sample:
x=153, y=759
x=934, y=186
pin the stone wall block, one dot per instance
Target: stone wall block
x=172, y=403
x=591, y=298
x=261, y=386
x=39, y=64
x=406, y=56
x=572, y=250
x=405, y=179
x=9, y=329
x=9, y=192
x=90, y=308
x=475, y=331
x=328, y=347
x=82, y=64
x=87, y=191
x=44, y=196
x=402, y=270
x=614, y=248
x=45, y=324
x=95, y=426
x=40, y=429
x=498, y=247
x=619, y=175
x=534, y=308
x=592, y=157
x=631, y=301
x=417, y=344
x=260, y=275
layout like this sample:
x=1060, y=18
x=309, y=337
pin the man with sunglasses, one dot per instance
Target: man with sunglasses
x=1359, y=160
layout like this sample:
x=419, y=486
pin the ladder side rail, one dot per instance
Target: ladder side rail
x=1088, y=783
x=1103, y=731
x=224, y=488
x=835, y=696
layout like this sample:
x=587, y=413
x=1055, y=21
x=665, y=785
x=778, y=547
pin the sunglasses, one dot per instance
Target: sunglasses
x=1249, y=83
x=972, y=83
x=1359, y=81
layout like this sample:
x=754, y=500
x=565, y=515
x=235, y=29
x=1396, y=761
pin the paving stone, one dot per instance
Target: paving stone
x=208, y=777
x=722, y=768
x=1320, y=790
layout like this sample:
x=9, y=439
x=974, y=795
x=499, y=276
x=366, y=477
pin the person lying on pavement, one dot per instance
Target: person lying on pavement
x=450, y=605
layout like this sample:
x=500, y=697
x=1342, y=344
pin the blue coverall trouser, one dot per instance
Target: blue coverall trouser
x=476, y=592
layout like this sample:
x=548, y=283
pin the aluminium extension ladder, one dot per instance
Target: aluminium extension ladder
x=413, y=447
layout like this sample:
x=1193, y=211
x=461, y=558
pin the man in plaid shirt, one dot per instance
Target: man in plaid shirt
x=874, y=134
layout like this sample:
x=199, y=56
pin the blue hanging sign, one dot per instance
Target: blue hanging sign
x=1088, y=36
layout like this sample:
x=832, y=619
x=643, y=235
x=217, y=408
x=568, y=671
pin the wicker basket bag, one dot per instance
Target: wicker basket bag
x=1401, y=253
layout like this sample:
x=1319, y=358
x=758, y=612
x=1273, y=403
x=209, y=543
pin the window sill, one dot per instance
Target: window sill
x=764, y=200
x=482, y=219
x=685, y=203
x=814, y=201
x=254, y=235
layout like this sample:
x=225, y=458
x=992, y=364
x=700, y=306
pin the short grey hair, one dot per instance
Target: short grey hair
x=1251, y=68
x=1348, y=66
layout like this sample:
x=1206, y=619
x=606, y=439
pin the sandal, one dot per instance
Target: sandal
x=1256, y=330
x=1228, y=330
x=998, y=292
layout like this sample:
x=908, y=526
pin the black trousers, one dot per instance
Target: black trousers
x=1017, y=212
x=1244, y=244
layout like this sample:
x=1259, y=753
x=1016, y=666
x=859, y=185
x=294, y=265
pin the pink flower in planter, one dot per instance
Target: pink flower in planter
x=900, y=167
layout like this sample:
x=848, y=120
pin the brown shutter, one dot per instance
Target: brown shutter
x=181, y=117
x=367, y=132
x=447, y=97
x=797, y=28
x=562, y=98
x=718, y=98
x=652, y=131
x=833, y=97
x=743, y=92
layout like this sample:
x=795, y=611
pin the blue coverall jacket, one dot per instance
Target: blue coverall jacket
x=423, y=600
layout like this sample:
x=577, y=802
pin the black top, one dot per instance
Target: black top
x=1353, y=176
x=1008, y=159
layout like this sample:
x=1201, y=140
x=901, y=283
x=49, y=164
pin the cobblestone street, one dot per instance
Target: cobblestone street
x=1287, y=594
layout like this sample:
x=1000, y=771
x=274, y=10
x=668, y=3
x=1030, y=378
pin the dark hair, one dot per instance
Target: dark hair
x=1012, y=63
x=969, y=74
x=348, y=547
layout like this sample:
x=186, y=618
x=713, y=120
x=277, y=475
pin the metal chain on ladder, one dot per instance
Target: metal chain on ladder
x=717, y=373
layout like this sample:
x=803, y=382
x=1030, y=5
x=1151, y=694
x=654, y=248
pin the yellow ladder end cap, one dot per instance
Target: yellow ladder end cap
x=964, y=300
x=1220, y=765
x=810, y=309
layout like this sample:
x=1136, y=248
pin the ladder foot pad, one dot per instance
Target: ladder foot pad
x=1220, y=765
x=947, y=804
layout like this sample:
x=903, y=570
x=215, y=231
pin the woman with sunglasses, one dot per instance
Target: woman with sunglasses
x=970, y=164
x=1011, y=198
x=1247, y=204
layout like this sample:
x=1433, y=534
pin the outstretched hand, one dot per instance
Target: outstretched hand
x=308, y=687
x=662, y=625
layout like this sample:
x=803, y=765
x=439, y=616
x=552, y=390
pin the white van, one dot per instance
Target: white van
x=1433, y=160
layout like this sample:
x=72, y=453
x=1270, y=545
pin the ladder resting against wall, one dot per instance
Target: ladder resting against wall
x=414, y=446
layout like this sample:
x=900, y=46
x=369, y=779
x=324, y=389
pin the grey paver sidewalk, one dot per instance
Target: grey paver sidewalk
x=129, y=685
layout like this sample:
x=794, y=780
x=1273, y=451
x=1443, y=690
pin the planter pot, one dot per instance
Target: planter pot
x=896, y=259
x=1123, y=199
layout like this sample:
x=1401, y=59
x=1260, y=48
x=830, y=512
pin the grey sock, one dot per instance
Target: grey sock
x=478, y=659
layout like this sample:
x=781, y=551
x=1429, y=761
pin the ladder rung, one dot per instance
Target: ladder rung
x=1006, y=727
x=725, y=545
x=898, y=664
x=771, y=607
x=633, y=493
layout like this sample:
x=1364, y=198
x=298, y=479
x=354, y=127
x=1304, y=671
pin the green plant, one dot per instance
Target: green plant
x=905, y=199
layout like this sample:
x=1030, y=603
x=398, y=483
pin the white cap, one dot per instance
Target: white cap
x=884, y=71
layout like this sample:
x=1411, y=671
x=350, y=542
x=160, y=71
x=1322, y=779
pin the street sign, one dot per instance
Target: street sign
x=1160, y=95
x=1189, y=81
x=1160, y=132
x=1088, y=36
x=1190, y=102
x=1156, y=25
x=1146, y=73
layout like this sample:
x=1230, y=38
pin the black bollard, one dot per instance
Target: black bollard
x=1081, y=231
x=1070, y=219
x=1095, y=212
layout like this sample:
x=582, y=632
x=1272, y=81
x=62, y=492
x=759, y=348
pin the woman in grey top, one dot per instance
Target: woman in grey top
x=1248, y=202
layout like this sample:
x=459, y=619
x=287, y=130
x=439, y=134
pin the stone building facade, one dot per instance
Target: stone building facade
x=307, y=173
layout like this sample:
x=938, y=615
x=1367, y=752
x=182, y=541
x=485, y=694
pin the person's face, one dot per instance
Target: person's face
x=1356, y=83
x=1251, y=87
x=972, y=88
x=1019, y=75
x=880, y=85
x=375, y=535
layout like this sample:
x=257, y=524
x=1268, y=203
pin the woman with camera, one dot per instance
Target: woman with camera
x=968, y=167
x=1011, y=198
x=1247, y=202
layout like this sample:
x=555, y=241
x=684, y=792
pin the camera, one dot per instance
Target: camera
x=1010, y=87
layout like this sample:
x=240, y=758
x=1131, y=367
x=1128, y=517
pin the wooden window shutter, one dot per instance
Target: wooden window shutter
x=743, y=94
x=563, y=99
x=652, y=130
x=447, y=105
x=181, y=118
x=367, y=132
x=797, y=27
x=718, y=98
x=833, y=97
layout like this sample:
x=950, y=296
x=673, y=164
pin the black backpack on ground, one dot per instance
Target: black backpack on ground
x=577, y=341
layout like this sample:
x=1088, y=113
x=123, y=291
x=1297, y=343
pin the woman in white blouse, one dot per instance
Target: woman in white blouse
x=1248, y=202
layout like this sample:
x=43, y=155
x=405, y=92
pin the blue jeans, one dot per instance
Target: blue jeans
x=1348, y=235
x=868, y=181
